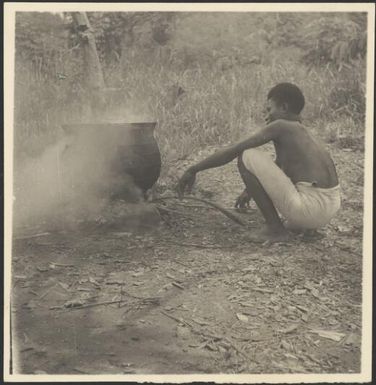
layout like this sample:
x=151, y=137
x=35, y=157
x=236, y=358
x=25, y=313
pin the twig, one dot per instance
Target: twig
x=142, y=298
x=95, y=304
x=73, y=48
x=48, y=290
x=199, y=246
x=27, y=349
x=204, y=207
x=261, y=290
x=31, y=236
x=41, y=269
x=215, y=205
x=313, y=358
x=61, y=264
x=181, y=263
x=80, y=371
x=192, y=206
x=177, y=285
x=166, y=210
x=121, y=293
x=180, y=320
x=208, y=335
x=352, y=304
x=170, y=276
x=237, y=349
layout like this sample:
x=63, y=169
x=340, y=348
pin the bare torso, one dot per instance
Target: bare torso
x=302, y=158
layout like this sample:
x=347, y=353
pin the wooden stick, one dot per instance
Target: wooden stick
x=61, y=264
x=215, y=205
x=192, y=206
x=176, y=319
x=151, y=299
x=89, y=305
x=177, y=285
x=181, y=263
x=166, y=210
x=261, y=290
x=204, y=207
x=31, y=236
x=199, y=246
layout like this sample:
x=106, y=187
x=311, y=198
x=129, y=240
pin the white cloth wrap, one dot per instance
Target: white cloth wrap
x=302, y=205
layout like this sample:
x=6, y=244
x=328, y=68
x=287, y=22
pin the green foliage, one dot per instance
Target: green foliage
x=348, y=96
x=335, y=40
x=40, y=38
x=339, y=43
x=117, y=33
x=224, y=63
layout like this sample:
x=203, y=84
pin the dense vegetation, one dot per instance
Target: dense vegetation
x=203, y=77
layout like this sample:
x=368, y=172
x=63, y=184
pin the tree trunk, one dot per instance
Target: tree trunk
x=94, y=81
x=126, y=46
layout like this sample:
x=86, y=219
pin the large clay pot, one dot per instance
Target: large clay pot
x=128, y=149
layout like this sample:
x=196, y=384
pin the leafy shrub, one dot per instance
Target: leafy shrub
x=225, y=63
x=339, y=45
x=334, y=40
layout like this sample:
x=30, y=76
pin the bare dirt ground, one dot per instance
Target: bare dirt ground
x=192, y=295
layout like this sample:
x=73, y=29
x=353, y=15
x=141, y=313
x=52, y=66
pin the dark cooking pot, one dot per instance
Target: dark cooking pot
x=129, y=148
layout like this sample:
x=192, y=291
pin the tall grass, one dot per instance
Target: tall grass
x=220, y=103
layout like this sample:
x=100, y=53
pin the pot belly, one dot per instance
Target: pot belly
x=142, y=162
x=114, y=158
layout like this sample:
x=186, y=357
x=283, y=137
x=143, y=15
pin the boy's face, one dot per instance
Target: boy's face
x=274, y=111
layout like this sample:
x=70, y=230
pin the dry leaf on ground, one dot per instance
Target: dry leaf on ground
x=242, y=317
x=289, y=329
x=332, y=335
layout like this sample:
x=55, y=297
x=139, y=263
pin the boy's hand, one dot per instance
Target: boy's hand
x=242, y=201
x=186, y=182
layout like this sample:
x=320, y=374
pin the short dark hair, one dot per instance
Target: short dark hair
x=290, y=94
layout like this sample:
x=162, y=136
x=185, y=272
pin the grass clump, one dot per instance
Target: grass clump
x=201, y=91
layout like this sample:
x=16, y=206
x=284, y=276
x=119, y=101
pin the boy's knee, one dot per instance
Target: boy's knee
x=256, y=161
x=245, y=158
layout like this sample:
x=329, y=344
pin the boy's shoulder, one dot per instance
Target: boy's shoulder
x=284, y=125
x=289, y=123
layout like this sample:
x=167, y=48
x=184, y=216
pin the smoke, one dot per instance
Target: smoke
x=74, y=180
x=134, y=112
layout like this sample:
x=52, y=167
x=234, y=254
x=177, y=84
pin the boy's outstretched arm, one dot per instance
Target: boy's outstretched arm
x=226, y=155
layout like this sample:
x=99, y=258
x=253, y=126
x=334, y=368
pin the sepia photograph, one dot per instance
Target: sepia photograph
x=188, y=192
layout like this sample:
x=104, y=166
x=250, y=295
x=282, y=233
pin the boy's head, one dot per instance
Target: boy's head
x=284, y=100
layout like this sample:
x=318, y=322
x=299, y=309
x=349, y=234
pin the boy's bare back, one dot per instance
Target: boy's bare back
x=301, y=157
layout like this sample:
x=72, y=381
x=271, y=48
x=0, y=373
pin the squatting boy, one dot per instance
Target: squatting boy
x=301, y=185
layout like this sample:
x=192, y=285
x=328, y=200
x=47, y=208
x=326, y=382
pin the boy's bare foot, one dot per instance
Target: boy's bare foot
x=270, y=235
